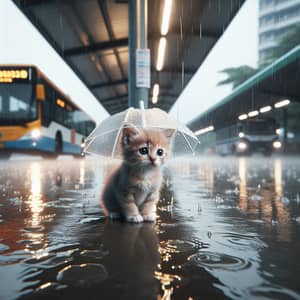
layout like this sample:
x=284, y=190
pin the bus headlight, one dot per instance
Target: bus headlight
x=242, y=146
x=277, y=144
x=36, y=134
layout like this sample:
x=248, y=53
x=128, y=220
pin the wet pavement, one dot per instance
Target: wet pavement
x=226, y=229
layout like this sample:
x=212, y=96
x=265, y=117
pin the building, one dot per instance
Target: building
x=276, y=17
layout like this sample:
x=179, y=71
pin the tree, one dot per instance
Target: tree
x=238, y=75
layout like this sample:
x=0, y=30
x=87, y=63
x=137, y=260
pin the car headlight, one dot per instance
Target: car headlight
x=277, y=144
x=242, y=146
x=36, y=134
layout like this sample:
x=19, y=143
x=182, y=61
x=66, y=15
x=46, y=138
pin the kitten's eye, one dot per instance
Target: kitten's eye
x=143, y=150
x=160, y=152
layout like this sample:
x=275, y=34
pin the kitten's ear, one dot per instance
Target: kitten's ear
x=169, y=133
x=129, y=132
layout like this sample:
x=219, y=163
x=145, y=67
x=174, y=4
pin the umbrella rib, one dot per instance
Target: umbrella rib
x=119, y=131
x=188, y=143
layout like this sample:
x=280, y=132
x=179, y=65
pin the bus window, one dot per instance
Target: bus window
x=17, y=102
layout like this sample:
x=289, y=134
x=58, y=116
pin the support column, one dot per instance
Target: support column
x=139, y=55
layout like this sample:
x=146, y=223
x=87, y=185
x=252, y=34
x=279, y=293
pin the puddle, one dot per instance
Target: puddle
x=226, y=229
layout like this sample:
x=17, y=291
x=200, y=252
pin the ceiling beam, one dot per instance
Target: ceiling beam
x=106, y=17
x=84, y=50
x=26, y=3
x=109, y=100
x=108, y=84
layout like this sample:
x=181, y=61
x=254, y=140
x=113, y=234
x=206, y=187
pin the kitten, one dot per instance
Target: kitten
x=133, y=189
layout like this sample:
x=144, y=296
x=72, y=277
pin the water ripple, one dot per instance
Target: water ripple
x=213, y=260
x=240, y=242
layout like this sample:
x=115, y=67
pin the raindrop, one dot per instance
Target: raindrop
x=284, y=200
x=200, y=31
x=219, y=199
x=297, y=198
x=256, y=197
x=258, y=188
x=181, y=31
x=182, y=74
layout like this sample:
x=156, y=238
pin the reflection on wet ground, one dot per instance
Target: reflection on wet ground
x=226, y=229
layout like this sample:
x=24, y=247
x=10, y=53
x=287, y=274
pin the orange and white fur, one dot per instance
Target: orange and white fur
x=133, y=189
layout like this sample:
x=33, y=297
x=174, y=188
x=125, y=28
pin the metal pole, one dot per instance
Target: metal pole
x=132, y=49
x=142, y=30
x=139, y=65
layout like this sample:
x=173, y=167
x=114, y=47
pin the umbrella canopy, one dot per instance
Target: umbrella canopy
x=105, y=140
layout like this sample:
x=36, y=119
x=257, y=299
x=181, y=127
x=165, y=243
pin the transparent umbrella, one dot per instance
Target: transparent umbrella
x=105, y=140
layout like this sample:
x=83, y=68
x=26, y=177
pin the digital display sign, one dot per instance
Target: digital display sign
x=11, y=75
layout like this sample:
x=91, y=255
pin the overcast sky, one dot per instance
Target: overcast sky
x=22, y=43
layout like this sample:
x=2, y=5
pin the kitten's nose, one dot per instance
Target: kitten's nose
x=152, y=159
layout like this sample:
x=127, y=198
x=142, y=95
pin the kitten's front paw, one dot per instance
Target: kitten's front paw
x=149, y=217
x=134, y=219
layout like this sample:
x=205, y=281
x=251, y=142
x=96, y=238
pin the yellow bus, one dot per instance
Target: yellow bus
x=36, y=116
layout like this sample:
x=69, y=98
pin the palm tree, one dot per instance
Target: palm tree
x=238, y=75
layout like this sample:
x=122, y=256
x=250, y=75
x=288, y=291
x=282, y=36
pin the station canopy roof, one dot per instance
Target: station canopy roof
x=92, y=37
x=277, y=82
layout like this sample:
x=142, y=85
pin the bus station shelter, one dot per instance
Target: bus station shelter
x=273, y=91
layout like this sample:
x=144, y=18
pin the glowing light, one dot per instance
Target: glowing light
x=36, y=133
x=155, y=93
x=204, y=130
x=155, y=90
x=82, y=173
x=18, y=74
x=243, y=184
x=36, y=204
x=265, y=109
x=166, y=17
x=241, y=134
x=161, y=53
x=277, y=144
x=282, y=103
x=278, y=178
x=242, y=146
x=253, y=113
x=154, y=100
x=243, y=117
x=60, y=102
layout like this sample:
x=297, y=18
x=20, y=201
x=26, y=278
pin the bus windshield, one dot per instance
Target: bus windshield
x=17, y=105
x=259, y=127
